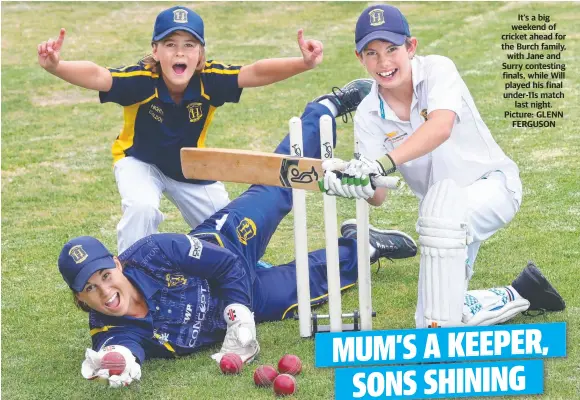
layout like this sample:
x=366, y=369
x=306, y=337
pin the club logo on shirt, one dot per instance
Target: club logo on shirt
x=394, y=137
x=246, y=230
x=78, y=254
x=424, y=114
x=377, y=17
x=174, y=280
x=195, y=112
x=180, y=16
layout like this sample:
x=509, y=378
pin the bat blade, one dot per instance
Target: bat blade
x=253, y=167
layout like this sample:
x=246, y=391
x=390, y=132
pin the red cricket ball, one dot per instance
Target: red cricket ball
x=290, y=364
x=231, y=363
x=264, y=375
x=284, y=385
x=114, y=362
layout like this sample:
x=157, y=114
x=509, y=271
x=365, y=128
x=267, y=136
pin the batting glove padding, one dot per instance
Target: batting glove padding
x=363, y=166
x=344, y=180
x=91, y=367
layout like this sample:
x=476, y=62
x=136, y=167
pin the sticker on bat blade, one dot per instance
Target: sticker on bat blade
x=291, y=174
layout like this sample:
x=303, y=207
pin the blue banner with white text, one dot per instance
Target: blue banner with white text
x=448, y=380
x=441, y=344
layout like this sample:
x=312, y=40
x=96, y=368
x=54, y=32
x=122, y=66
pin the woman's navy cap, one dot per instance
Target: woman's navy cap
x=80, y=258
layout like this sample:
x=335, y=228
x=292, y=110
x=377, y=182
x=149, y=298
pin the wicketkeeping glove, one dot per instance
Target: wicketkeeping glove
x=91, y=367
x=240, y=335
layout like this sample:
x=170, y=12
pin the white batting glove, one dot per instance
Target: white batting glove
x=364, y=166
x=333, y=184
x=357, y=185
x=241, y=334
x=334, y=164
x=91, y=367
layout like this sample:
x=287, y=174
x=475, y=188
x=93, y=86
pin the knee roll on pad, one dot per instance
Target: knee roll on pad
x=443, y=239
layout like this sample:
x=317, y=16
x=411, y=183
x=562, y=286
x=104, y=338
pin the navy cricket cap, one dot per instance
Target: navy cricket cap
x=80, y=258
x=381, y=22
x=178, y=19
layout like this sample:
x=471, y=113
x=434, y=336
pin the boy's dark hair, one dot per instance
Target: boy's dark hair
x=407, y=43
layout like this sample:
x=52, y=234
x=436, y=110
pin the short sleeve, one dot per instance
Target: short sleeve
x=444, y=85
x=131, y=84
x=220, y=83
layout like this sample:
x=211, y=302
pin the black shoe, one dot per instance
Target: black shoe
x=389, y=244
x=349, y=97
x=534, y=287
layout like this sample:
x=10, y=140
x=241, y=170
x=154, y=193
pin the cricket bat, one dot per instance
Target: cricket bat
x=260, y=168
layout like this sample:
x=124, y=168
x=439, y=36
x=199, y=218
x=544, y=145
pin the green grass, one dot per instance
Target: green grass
x=57, y=180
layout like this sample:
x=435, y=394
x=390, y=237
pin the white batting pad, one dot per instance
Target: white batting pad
x=492, y=306
x=443, y=239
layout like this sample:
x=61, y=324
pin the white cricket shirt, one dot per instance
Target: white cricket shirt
x=469, y=153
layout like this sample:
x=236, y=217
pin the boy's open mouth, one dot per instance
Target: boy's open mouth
x=179, y=68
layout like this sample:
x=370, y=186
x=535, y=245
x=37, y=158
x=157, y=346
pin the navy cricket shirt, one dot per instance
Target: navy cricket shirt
x=155, y=128
x=187, y=282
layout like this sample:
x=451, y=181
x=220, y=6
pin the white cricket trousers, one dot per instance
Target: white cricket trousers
x=491, y=206
x=141, y=186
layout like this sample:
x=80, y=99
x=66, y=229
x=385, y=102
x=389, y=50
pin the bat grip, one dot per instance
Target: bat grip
x=389, y=182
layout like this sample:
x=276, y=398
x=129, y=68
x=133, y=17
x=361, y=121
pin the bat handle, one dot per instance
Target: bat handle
x=389, y=182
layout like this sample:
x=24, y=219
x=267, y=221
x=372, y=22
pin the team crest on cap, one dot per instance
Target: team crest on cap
x=195, y=112
x=78, y=254
x=180, y=16
x=377, y=17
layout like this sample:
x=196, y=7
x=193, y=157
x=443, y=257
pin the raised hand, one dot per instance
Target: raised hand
x=311, y=50
x=49, y=52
